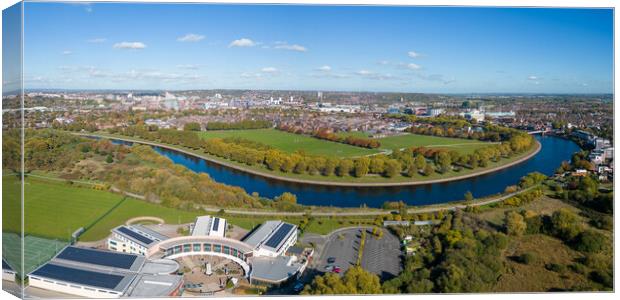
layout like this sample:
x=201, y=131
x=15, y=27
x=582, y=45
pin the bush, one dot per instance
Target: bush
x=558, y=268
x=603, y=222
x=578, y=268
x=527, y=258
x=602, y=277
x=590, y=241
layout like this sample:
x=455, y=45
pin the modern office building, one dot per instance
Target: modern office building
x=135, y=239
x=272, y=238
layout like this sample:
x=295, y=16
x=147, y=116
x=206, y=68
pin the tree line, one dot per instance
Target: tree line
x=325, y=134
x=244, y=124
x=410, y=162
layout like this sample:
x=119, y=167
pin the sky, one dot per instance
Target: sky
x=339, y=48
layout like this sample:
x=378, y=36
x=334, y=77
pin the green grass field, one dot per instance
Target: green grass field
x=409, y=140
x=291, y=142
x=56, y=209
x=53, y=210
x=36, y=250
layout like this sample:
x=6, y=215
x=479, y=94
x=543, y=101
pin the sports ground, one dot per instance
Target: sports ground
x=36, y=250
x=291, y=142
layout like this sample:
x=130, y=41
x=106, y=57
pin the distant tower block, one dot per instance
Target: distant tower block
x=319, y=95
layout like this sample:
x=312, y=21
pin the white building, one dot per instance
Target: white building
x=135, y=239
x=272, y=238
x=7, y=271
x=209, y=226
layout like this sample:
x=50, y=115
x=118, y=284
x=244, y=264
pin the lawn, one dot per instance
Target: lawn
x=409, y=140
x=53, y=209
x=291, y=142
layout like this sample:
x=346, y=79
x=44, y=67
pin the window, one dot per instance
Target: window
x=197, y=248
x=226, y=250
x=234, y=253
x=186, y=248
x=218, y=248
x=112, y=242
x=207, y=247
x=177, y=249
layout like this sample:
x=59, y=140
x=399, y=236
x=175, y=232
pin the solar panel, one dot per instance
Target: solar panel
x=279, y=235
x=103, y=258
x=135, y=235
x=96, y=279
x=216, y=223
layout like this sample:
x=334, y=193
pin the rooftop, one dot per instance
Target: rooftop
x=147, y=286
x=210, y=226
x=274, y=269
x=271, y=235
x=140, y=235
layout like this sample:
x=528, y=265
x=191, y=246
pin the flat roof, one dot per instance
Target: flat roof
x=210, y=226
x=84, y=276
x=270, y=235
x=101, y=258
x=6, y=266
x=274, y=269
x=147, y=286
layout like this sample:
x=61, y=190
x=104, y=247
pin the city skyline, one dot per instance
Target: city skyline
x=339, y=48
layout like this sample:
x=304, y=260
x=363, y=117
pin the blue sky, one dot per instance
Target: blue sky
x=409, y=49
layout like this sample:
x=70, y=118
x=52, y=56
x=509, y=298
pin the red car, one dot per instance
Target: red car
x=336, y=270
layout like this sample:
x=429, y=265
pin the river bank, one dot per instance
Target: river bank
x=531, y=153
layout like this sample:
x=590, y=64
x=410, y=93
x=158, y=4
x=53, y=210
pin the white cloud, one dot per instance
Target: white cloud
x=294, y=47
x=191, y=37
x=67, y=52
x=325, y=68
x=189, y=66
x=269, y=70
x=243, y=42
x=384, y=62
x=413, y=66
x=97, y=40
x=250, y=75
x=413, y=54
x=364, y=72
x=130, y=45
x=532, y=77
x=375, y=76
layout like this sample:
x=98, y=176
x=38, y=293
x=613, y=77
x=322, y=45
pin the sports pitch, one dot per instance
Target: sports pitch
x=291, y=142
x=36, y=250
x=407, y=140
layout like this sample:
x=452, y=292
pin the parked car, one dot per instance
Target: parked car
x=329, y=268
x=337, y=270
x=331, y=260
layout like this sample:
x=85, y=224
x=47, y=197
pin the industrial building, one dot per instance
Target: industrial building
x=96, y=273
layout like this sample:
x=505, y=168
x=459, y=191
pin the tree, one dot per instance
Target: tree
x=429, y=170
x=355, y=281
x=109, y=159
x=514, y=224
x=392, y=168
x=444, y=161
x=590, y=241
x=361, y=167
x=565, y=224
x=420, y=162
x=191, y=126
x=411, y=169
x=344, y=167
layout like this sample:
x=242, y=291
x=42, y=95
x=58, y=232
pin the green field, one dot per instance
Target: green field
x=56, y=209
x=291, y=142
x=36, y=251
x=415, y=140
x=53, y=210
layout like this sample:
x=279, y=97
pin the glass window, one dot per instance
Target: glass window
x=187, y=247
x=218, y=248
x=197, y=248
x=226, y=249
x=234, y=253
x=177, y=249
x=207, y=247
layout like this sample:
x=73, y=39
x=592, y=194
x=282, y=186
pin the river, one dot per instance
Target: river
x=554, y=150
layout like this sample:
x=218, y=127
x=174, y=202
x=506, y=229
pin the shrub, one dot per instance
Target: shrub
x=527, y=258
x=590, y=241
x=602, y=277
x=558, y=268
